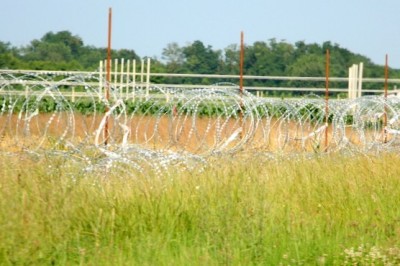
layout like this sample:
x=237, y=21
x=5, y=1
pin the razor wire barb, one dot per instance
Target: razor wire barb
x=163, y=127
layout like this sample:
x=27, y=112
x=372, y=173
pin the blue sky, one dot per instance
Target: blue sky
x=367, y=27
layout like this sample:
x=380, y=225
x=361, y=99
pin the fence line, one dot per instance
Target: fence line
x=127, y=79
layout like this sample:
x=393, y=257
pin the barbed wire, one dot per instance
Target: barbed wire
x=158, y=128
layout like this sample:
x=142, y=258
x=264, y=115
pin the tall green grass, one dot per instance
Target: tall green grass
x=329, y=210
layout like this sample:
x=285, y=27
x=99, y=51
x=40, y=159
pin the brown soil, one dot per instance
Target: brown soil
x=183, y=133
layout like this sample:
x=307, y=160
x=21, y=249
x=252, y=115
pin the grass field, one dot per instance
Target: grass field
x=328, y=210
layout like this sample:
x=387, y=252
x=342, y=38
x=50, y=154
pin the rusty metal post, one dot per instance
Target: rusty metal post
x=241, y=63
x=108, y=76
x=385, y=99
x=327, y=98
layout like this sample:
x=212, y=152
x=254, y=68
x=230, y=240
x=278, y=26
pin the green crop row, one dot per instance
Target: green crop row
x=89, y=106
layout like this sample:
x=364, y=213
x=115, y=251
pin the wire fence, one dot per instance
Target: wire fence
x=144, y=127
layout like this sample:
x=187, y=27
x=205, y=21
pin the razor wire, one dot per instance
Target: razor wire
x=157, y=128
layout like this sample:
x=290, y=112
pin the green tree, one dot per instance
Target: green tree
x=65, y=51
x=173, y=56
x=308, y=65
x=126, y=54
x=201, y=59
x=8, y=60
x=232, y=59
x=74, y=43
x=53, y=52
x=91, y=56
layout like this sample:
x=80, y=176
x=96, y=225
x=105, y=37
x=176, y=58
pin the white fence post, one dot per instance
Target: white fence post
x=355, y=81
x=105, y=71
x=141, y=73
x=73, y=94
x=115, y=73
x=349, y=83
x=127, y=77
x=148, y=78
x=134, y=79
x=121, y=76
x=360, y=77
x=26, y=91
x=100, y=78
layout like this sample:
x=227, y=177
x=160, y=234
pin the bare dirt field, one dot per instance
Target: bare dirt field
x=179, y=133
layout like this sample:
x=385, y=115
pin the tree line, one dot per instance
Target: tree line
x=65, y=51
